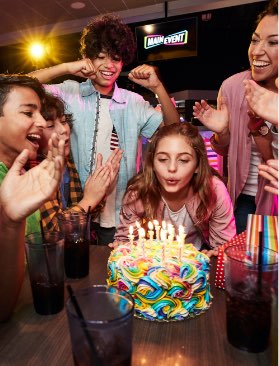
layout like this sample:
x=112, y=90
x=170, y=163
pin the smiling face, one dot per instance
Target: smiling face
x=62, y=128
x=108, y=69
x=21, y=125
x=175, y=163
x=263, y=51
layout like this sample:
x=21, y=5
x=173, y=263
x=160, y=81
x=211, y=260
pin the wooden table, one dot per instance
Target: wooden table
x=31, y=339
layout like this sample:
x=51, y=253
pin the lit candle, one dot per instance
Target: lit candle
x=164, y=240
x=138, y=227
x=182, y=235
x=131, y=236
x=150, y=231
x=179, y=247
x=141, y=240
x=171, y=233
x=157, y=229
x=180, y=230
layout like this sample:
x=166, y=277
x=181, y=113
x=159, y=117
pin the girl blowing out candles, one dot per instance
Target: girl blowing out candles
x=178, y=185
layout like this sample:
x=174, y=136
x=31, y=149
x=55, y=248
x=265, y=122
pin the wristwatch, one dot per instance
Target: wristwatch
x=261, y=131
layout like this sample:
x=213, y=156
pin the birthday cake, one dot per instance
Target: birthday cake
x=168, y=282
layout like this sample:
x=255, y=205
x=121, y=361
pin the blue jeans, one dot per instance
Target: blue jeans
x=245, y=205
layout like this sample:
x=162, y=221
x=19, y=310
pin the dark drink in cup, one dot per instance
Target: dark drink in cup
x=104, y=335
x=111, y=362
x=76, y=228
x=48, y=298
x=248, y=320
x=250, y=285
x=76, y=258
x=45, y=258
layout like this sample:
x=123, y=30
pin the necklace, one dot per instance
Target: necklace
x=95, y=133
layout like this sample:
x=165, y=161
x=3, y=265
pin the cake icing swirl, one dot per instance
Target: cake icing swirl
x=171, y=289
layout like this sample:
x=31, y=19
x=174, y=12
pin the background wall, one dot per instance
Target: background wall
x=223, y=41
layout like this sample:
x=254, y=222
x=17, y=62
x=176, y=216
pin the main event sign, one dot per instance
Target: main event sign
x=167, y=40
x=179, y=38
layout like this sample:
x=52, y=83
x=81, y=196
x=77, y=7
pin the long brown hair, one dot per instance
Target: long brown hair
x=144, y=185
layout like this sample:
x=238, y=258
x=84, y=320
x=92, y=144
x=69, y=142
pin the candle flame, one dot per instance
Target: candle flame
x=131, y=230
x=141, y=232
x=181, y=230
x=137, y=224
x=156, y=222
x=150, y=225
x=163, y=235
x=164, y=225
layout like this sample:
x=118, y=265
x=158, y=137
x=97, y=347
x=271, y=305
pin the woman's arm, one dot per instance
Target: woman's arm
x=222, y=222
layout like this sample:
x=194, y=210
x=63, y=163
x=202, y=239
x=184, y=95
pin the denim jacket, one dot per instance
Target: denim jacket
x=131, y=116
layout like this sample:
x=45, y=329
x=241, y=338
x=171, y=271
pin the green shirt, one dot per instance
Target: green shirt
x=32, y=221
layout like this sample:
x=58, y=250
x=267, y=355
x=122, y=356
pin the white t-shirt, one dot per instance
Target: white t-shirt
x=107, y=141
x=182, y=217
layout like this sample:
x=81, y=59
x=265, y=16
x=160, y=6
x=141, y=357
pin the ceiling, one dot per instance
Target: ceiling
x=21, y=19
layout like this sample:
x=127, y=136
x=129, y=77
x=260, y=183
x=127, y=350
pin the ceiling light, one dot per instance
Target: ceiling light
x=77, y=5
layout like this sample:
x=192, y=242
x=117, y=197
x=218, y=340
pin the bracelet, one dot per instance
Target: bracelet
x=219, y=148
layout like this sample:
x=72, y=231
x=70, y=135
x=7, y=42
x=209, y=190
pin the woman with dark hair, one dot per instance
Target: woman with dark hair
x=178, y=185
x=238, y=133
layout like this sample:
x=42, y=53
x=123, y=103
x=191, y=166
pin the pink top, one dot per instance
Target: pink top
x=216, y=231
x=239, y=150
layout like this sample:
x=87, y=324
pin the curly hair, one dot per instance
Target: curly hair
x=108, y=33
x=54, y=107
x=144, y=186
x=10, y=81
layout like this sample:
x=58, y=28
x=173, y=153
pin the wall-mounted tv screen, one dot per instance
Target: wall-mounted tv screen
x=167, y=40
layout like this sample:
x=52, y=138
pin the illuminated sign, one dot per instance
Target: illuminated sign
x=179, y=38
x=154, y=40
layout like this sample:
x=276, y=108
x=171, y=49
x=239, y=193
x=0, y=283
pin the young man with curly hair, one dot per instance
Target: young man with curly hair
x=106, y=116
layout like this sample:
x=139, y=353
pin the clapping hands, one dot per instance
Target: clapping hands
x=22, y=193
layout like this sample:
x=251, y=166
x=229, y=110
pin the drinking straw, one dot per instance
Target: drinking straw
x=260, y=261
x=96, y=360
x=51, y=281
x=87, y=222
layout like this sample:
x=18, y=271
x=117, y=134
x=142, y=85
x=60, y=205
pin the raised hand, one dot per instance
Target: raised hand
x=114, y=163
x=96, y=187
x=263, y=102
x=216, y=120
x=83, y=68
x=22, y=193
x=146, y=76
x=270, y=172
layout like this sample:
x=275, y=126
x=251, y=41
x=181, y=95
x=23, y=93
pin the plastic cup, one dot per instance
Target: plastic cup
x=45, y=259
x=76, y=231
x=251, y=287
x=104, y=337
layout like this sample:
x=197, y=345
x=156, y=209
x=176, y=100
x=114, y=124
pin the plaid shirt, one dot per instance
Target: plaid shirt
x=50, y=210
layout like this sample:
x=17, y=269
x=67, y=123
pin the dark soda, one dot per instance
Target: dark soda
x=249, y=320
x=76, y=258
x=126, y=362
x=48, y=298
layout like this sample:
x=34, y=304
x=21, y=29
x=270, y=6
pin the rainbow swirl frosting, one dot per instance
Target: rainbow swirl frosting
x=171, y=289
